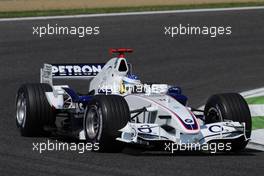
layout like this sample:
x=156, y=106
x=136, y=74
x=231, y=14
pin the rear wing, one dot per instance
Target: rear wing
x=68, y=71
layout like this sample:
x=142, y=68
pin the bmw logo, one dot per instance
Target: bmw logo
x=188, y=120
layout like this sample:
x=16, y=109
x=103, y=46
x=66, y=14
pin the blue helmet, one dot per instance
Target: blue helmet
x=131, y=79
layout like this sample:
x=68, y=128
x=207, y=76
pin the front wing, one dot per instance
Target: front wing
x=145, y=132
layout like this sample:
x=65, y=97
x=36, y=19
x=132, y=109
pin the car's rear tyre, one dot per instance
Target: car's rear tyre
x=104, y=116
x=229, y=106
x=33, y=111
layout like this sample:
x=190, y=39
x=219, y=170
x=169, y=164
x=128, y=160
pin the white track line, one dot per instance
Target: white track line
x=253, y=93
x=256, y=110
x=257, y=140
x=247, y=94
x=133, y=13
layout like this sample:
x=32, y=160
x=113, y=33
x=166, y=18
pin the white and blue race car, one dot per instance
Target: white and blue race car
x=118, y=108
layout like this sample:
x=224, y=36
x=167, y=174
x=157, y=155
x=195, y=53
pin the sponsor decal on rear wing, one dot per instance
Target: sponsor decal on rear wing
x=71, y=71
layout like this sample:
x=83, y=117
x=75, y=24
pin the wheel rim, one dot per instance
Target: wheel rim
x=215, y=114
x=21, y=109
x=92, y=122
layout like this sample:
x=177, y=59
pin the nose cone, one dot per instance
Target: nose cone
x=181, y=116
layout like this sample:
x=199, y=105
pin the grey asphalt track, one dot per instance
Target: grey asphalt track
x=200, y=65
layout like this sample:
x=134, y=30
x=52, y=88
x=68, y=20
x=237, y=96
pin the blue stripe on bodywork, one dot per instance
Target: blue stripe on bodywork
x=76, y=98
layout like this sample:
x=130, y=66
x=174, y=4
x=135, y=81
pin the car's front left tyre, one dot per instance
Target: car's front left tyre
x=230, y=107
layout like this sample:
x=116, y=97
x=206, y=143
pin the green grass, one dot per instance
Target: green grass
x=123, y=9
x=255, y=100
x=257, y=122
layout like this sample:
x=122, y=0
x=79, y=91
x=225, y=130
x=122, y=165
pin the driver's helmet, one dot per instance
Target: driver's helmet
x=129, y=82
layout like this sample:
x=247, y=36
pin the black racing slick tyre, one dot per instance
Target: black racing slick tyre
x=104, y=117
x=33, y=111
x=229, y=106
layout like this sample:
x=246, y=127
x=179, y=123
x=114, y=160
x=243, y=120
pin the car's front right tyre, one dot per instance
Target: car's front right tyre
x=104, y=117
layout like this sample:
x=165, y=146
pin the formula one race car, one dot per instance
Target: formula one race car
x=118, y=108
